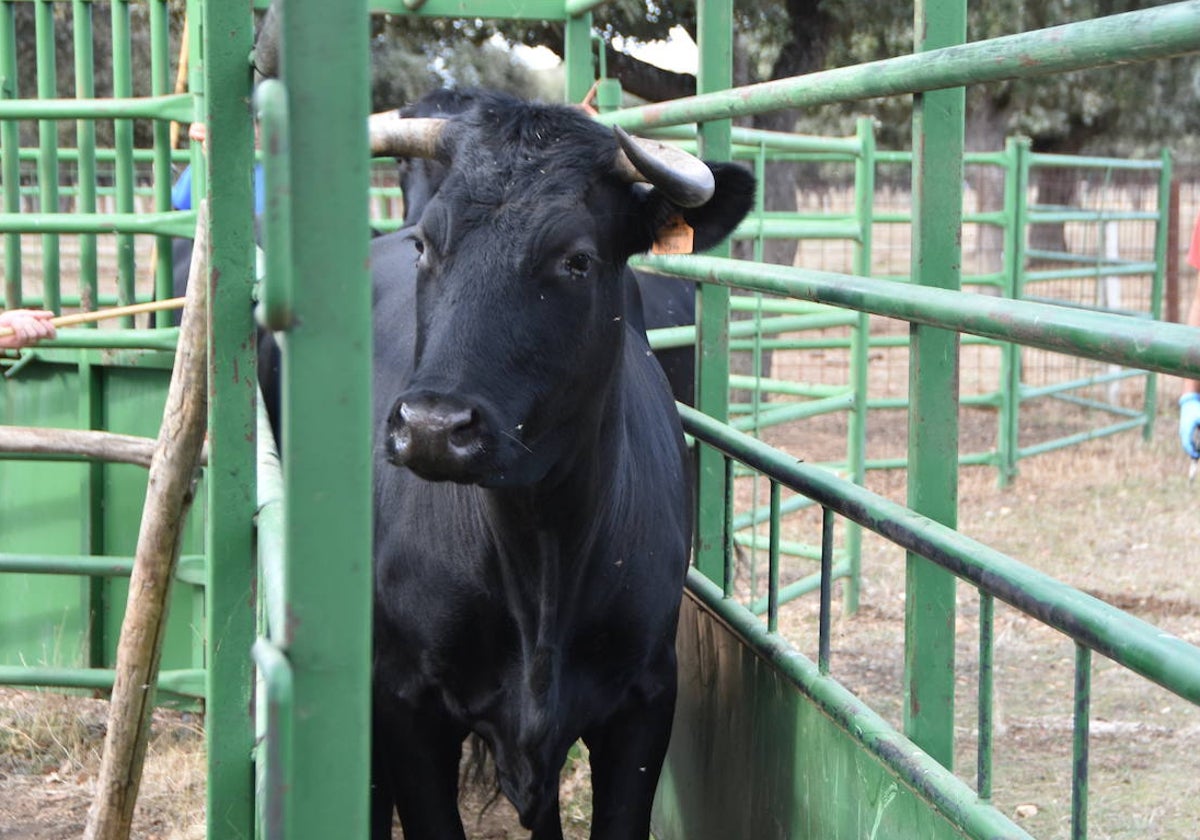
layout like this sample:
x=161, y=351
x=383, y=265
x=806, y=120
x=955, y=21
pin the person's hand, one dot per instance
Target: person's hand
x=198, y=131
x=28, y=326
x=1189, y=421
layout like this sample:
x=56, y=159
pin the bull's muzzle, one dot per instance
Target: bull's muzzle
x=438, y=438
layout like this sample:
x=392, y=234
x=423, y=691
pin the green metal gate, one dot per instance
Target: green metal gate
x=757, y=706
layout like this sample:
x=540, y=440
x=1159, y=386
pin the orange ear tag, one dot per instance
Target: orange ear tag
x=674, y=237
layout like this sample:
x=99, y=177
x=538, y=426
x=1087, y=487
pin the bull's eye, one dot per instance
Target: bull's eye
x=418, y=243
x=578, y=264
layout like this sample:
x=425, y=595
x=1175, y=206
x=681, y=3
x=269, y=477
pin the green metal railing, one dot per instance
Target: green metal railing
x=311, y=651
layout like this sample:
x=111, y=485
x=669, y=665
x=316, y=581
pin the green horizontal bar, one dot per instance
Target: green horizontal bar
x=665, y=337
x=1068, y=257
x=763, y=513
x=800, y=588
x=1160, y=32
x=165, y=338
x=171, y=223
x=1030, y=392
x=772, y=141
x=1038, y=217
x=781, y=386
x=792, y=548
x=190, y=568
x=485, y=9
x=1141, y=343
x=179, y=107
x=775, y=415
x=185, y=682
x=1082, y=437
x=1125, y=270
x=31, y=154
x=904, y=156
x=1143, y=648
x=1086, y=162
x=915, y=769
x=772, y=228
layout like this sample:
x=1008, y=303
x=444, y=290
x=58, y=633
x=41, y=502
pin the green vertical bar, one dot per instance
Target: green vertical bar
x=824, y=627
x=1159, y=282
x=196, y=71
x=232, y=425
x=773, y=562
x=160, y=85
x=47, y=88
x=860, y=337
x=933, y=391
x=1079, y=764
x=715, y=40
x=983, y=758
x=91, y=416
x=577, y=56
x=327, y=430
x=10, y=142
x=1016, y=179
x=123, y=141
x=85, y=132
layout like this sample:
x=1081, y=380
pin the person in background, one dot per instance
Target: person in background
x=181, y=191
x=28, y=326
x=1189, y=399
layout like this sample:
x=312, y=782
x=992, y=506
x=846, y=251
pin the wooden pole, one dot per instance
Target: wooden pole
x=101, y=446
x=112, y=312
x=168, y=498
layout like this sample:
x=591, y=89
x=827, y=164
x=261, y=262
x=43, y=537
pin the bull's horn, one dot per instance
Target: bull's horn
x=395, y=136
x=266, y=45
x=684, y=179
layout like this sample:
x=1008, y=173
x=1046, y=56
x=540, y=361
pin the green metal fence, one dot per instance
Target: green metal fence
x=754, y=703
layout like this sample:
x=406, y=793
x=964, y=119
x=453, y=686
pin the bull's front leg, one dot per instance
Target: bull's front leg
x=627, y=753
x=415, y=759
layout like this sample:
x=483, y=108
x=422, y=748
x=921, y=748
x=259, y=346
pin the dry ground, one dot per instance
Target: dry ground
x=1115, y=517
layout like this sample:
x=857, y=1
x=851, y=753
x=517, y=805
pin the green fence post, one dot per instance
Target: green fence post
x=1013, y=256
x=232, y=423
x=85, y=132
x=47, y=88
x=160, y=65
x=10, y=143
x=577, y=57
x=1159, y=282
x=860, y=338
x=123, y=141
x=933, y=391
x=715, y=38
x=327, y=430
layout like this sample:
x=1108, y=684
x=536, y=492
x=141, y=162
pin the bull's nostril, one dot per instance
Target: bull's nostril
x=464, y=429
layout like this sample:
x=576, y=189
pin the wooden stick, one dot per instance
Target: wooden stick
x=92, y=444
x=168, y=498
x=111, y=312
x=103, y=446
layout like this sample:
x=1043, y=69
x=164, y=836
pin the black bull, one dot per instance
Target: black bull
x=532, y=503
x=532, y=528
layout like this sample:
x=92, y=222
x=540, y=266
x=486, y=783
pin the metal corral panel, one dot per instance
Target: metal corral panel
x=753, y=757
x=47, y=508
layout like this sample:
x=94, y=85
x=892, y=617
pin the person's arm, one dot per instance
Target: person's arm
x=28, y=326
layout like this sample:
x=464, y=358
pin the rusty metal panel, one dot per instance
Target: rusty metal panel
x=754, y=755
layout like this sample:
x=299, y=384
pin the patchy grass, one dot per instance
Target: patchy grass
x=50, y=747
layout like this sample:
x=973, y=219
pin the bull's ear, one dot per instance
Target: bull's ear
x=714, y=220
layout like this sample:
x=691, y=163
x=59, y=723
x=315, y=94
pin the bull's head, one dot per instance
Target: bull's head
x=518, y=346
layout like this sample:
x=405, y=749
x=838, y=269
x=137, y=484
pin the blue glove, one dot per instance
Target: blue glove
x=1189, y=421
